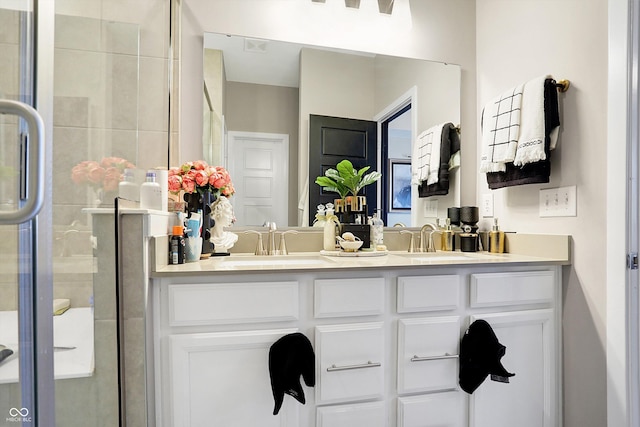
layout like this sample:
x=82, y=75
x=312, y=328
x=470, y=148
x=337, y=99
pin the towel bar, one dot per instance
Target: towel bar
x=563, y=85
x=445, y=356
x=369, y=364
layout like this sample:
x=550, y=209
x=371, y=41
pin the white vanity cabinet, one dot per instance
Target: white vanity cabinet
x=386, y=342
x=222, y=379
x=212, y=371
x=432, y=410
x=350, y=362
x=350, y=356
x=531, y=336
x=428, y=354
x=428, y=349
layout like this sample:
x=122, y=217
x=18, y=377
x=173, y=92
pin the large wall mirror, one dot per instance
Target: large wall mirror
x=256, y=105
x=258, y=97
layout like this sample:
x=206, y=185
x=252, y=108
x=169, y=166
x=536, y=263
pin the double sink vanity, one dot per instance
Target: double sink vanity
x=385, y=330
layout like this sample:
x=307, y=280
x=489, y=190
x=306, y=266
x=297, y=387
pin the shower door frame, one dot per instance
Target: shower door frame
x=34, y=219
x=44, y=386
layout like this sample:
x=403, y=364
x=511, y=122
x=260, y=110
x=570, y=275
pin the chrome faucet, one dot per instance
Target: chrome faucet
x=259, y=247
x=271, y=242
x=283, y=245
x=430, y=245
x=411, y=241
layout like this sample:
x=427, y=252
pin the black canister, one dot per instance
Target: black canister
x=454, y=215
x=468, y=242
x=469, y=214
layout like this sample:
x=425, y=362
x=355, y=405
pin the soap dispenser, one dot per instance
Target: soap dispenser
x=329, y=240
x=377, y=231
x=321, y=217
x=496, y=238
x=447, y=236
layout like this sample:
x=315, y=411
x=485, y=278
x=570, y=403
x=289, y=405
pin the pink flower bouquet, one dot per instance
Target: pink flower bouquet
x=198, y=176
x=105, y=174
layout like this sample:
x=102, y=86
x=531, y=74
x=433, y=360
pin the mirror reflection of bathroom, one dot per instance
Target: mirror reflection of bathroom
x=396, y=184
x=257, y=102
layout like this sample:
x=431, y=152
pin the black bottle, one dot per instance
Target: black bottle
x=176, y=246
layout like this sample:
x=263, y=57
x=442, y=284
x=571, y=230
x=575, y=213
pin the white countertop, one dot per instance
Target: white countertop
x=314, y=261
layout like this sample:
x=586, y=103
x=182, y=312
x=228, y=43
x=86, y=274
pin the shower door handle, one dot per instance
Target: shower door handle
x=31, y=192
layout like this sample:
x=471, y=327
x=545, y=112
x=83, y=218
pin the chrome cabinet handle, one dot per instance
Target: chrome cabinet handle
x=34, y=165
x=369, y=364
x=444, y=356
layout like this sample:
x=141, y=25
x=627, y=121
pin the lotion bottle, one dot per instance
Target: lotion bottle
x=128, y=189
x=151, y=193
x=496, y=238
x=329, y=238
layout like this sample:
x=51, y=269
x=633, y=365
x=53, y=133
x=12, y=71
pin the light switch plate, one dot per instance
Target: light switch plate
x=487, y=205
x=559, y=201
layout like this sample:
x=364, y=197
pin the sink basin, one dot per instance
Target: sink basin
x=276, y=261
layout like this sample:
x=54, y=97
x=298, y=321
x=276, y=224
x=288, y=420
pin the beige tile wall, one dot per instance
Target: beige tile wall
x=111, y=99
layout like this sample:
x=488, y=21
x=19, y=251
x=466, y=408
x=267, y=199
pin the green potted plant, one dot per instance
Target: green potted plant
x=345, y=179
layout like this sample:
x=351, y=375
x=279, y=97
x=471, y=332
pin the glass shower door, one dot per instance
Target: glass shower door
x=58, y=312
x=26, y=348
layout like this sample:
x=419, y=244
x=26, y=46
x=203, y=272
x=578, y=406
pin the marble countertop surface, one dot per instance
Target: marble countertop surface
x=557, y=254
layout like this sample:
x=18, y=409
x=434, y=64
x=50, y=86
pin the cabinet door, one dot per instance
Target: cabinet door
x=531, y=398
x=432, y=410
x=428, y=354
x=370, y=414
x=348, y=298
x=350, y=362
x=222, y=379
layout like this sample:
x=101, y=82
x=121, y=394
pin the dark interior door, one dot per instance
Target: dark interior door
x=332, y=139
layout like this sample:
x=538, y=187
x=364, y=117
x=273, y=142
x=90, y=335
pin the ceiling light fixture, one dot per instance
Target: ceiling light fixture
x=361, y=16
x=384, y=6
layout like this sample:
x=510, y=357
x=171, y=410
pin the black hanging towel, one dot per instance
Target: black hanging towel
x=289, y=358
x=480, y=354
x=450, y=144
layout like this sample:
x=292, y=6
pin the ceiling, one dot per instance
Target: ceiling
x=259, y=61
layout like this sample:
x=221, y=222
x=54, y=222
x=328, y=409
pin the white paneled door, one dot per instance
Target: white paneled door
x=259, y=166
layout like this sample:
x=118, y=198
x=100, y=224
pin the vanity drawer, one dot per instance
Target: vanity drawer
x=499, y=289
x=432, y=410
x=348, y=297
x=225, y=303
x=428, y=354
x=370, y=414
x=428, y=293
x=349, y=362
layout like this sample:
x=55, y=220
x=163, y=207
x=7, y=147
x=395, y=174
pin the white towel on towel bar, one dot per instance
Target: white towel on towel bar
x=427, y=154
x=500, y=130
x=532, y=130
x=421, y=157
